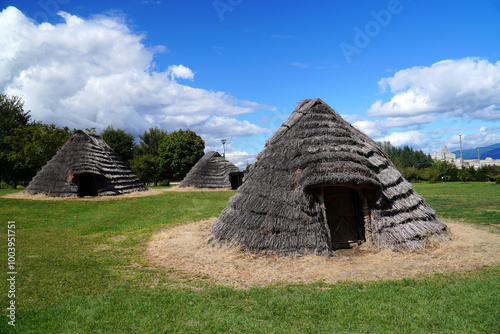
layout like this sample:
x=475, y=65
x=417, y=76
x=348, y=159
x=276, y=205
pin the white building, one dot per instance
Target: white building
x=479, y=163
x=444, y=155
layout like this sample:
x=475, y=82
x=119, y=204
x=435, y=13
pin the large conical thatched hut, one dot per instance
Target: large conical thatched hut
x=85, y=166
x=320, y=185
x=213, y=171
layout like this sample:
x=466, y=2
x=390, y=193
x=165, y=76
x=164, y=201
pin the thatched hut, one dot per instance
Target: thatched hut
x=213, y=171
x=85, y=166
x=319, y=185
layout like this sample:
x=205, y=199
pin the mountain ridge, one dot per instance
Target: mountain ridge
x=490, y=151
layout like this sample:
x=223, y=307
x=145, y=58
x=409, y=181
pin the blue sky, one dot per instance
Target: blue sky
x=415, y=73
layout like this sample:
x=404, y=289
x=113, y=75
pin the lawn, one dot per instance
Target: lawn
x=80, y=270
x=473, y=202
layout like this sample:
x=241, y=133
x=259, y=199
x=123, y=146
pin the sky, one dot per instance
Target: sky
x=412, y=72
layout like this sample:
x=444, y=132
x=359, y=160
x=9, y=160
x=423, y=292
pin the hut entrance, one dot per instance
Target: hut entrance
x=88, y=184
x=344, y=213
x=236, y=180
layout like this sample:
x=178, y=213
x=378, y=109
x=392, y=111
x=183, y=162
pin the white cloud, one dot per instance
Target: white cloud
x=378, y=128
x=372, y=129
x=180, y=71
x=483, y=137
x=409, y=138
x=97, y=72
x=490, y=113
x=465, y=87
x=240, y=158
x=430, y=106
x=218, y=127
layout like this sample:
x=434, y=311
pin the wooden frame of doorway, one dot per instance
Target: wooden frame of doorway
x=347, y=213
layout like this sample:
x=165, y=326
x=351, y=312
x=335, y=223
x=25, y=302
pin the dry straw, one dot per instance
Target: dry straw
x=184, y=249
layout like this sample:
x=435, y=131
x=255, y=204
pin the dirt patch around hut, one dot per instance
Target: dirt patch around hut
x=150, y=192
x=184, y=249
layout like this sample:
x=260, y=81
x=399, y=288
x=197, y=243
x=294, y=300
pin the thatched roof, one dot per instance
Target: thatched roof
x=85, y=165
x=213, y=171
x=282, y=206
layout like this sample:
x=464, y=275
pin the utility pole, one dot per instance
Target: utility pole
x=223, y=141
x=478, y=158
x=461, y=157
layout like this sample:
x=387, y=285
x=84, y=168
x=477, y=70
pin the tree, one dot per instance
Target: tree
x=146, y=167
x=422, y=160
x=146, y=162
x=179, y=151
x=12, y=116
x=29, y=148
x=386, y=147
x=432, y=174
x=120, y=141
x=406, y=157
x=489, y=173
x=150, y=141
x=466, y=174
x=448, y=170
x=410, y=173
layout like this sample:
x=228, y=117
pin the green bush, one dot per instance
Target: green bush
x=164, y=183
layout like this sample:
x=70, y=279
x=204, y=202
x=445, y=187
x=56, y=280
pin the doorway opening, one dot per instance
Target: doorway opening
x=345, y=216
x=88, y=184
x=236, y=180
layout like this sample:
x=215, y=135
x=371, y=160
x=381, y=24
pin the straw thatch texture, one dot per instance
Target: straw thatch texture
x=213, y=171
x=278, y=209
x=85, y=158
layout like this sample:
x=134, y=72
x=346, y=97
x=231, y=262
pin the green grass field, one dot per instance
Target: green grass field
x=80, y=270
x=472, y=202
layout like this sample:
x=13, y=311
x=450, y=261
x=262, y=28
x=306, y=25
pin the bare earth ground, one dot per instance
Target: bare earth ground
x=184, y=249
x=150, y=192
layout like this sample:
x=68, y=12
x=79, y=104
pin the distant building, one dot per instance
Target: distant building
x=490, y=161
x=444, y=155
x=479, y=163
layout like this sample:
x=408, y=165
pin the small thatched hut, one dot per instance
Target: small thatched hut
x=320, y=185
x=213, y=171
x=85, y=166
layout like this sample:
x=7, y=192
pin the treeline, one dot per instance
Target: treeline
x=417, y=166
x=27, y=145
